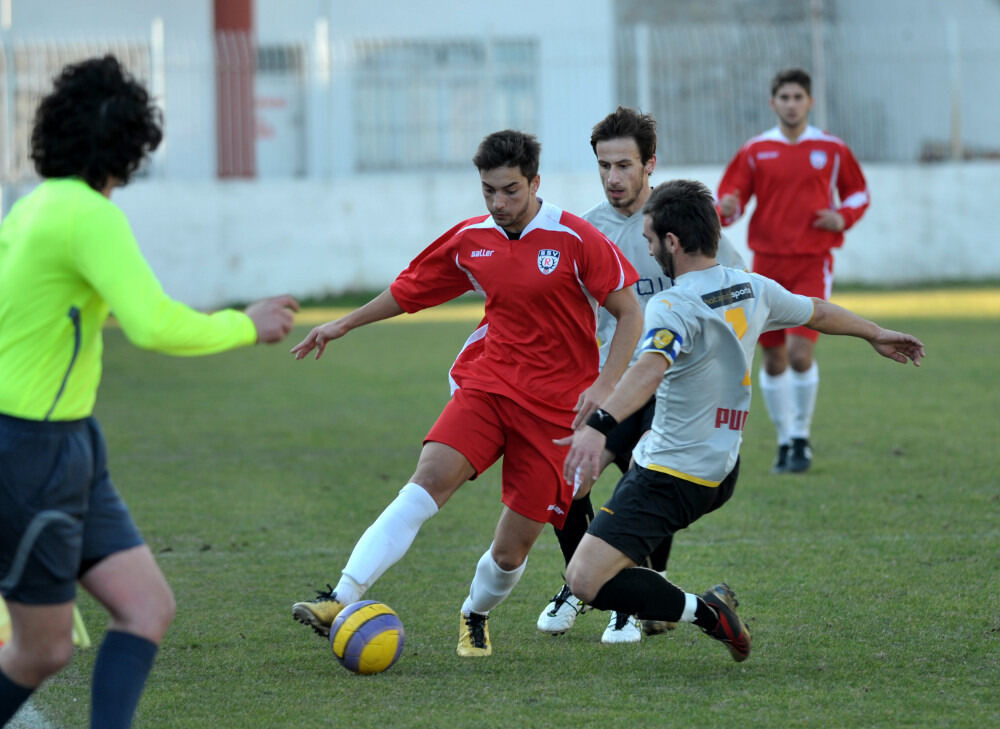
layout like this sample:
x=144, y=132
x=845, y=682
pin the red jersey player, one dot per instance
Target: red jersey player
x=809, y=190
x=528, y=376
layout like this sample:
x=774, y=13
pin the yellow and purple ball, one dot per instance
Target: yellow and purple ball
x=367, y=637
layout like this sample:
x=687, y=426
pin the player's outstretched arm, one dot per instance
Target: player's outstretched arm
x=273, y=318
x=898, y=346
x=381, y=307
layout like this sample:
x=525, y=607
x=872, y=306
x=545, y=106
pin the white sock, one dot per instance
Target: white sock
x=491, y=585
x=805, y=385
x=690, y=606
x=386, y=541
x=777, y=394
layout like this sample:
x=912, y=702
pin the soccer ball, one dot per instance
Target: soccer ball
x=367, y=637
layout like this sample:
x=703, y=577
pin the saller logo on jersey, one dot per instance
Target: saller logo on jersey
x=548, y=259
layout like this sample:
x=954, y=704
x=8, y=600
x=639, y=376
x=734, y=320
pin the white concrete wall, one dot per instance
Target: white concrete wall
x=213, y=243
x=574, y=73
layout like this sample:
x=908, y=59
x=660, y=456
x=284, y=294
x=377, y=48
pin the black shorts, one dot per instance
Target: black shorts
x=59, y=513
x=621, y=441
x=647, y=506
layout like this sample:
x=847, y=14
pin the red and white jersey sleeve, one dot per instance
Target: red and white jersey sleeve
x=537, y=343
x=792, y=182
x=432, y=277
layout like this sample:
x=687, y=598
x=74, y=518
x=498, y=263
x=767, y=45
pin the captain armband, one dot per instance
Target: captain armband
x=602, y=421
x=665, y=341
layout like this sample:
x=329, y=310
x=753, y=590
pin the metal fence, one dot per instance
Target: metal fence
x=323, y=108
x=26, y=74
x=895, y=94
x=427, y=103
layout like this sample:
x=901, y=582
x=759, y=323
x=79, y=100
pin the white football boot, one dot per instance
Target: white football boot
x=622, y=628
x=560, y=614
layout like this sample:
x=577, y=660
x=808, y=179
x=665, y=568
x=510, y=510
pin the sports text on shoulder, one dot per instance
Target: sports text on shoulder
x=725, y=297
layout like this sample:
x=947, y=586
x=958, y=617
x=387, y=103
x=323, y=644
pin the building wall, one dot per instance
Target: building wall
x=216, y=243
x=574, y=71
x=902, y=78
x=337, y=230
x=63, y=19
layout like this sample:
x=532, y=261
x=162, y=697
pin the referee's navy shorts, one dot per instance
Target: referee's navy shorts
x=59, y=513
x=647, y=506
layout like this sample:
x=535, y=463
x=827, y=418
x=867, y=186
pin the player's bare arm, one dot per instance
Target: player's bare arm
x=898, y=346
x=273, y=317
x=829, y=220
x=383, y=306
x=624, y=306
x=632, y=392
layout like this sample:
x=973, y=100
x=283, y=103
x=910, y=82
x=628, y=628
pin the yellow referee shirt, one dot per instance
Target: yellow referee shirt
x=67, y=258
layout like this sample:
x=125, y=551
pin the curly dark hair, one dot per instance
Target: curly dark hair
x=98, y=122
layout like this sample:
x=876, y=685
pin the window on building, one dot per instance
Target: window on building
x=426, y=103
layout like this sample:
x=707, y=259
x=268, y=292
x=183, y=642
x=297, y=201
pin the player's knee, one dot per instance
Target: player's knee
x=161, y=615
x=439, y=489
x=36, y=663
x=166, y=611
x=508, y=559
x=581, y=583
x=800, y=361
x=148, y=617
x=775, y=361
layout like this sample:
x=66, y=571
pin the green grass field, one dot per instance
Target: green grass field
x=871, y=584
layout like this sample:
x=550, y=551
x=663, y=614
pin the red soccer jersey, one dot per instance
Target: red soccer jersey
x=537, y=344
x=792, y=181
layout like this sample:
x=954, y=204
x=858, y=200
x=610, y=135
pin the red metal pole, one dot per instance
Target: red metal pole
x=234, y=88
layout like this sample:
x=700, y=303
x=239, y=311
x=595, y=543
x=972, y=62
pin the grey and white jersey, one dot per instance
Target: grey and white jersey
x=626, y=233
x=707, y=326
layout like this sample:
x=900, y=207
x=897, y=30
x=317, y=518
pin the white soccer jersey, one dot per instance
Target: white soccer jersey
x=707, y=325
x=626, y=233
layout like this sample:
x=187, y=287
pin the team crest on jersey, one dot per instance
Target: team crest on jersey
x=817, y=158
x=548, y=259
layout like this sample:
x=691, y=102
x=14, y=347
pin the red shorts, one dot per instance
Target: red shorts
x=483, y=426
x=800, y=274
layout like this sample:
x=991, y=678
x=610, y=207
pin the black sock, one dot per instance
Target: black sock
x=643, y=593
x=120, y=672
x=12, y=696
x=581, y=513
x=705, y=615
